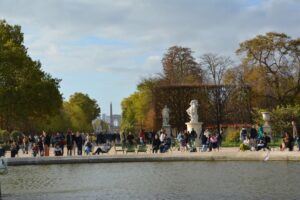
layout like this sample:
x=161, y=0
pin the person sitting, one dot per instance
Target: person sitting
x=35, y=150
x=58, y=150
x=165, y=146
x=286, y=142
x=130, y=138
x=263, y=143
x=213, y=140
x=155, y=144
x=14, y=150
x=88, y=147
x=103, y=149
x=245, y=145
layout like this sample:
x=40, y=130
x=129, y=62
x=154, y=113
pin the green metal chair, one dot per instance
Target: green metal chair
x=142, y=148
x=130, y=149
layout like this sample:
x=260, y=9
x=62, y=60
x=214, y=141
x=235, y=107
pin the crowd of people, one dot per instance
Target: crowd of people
x=257, y=139
x=253, y=139
x=39, y=145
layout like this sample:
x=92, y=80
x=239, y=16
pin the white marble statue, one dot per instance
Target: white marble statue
x=166, y=115
x=192, y=111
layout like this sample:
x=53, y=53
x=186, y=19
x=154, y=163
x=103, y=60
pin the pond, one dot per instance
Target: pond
x=166, y=180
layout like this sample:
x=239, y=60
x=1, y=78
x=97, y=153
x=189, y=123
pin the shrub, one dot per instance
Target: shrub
x=6, y=147
x=281, y=118
x=4, y=136
x=14, y=134
x=232, y=135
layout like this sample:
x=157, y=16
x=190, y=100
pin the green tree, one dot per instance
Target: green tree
x=27, y=93
x=281, y=118
x=89, y=106
x=137, y=109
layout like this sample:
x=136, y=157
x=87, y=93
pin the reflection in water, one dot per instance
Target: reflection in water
x=167, y=180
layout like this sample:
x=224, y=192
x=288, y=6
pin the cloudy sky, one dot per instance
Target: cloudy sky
x=104, y=47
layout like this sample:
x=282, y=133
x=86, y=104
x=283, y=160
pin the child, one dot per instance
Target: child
x=35, y=150
x=88, y=147
x=57, y=150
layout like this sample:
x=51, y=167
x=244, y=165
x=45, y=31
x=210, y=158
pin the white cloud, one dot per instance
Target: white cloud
x=54, y=30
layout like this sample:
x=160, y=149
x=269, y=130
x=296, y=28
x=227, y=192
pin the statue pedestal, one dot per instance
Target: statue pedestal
x=167, y=128
x=267, y=128
x=197, y=126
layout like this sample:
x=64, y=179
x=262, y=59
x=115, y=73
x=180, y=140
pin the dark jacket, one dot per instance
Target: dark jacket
x=203, y=139
x=130, y=139
x=47, y=140
x=2, y=152
x=155, y=143
x=253, y=133
x=79, y=141
x=69, y=140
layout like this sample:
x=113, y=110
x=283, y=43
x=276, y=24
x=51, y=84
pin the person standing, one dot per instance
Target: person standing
x=59, y=141
x=40, y=145
x=193, y=137
x=296, y=133
x=2, y=151
x=74, y=143
x=69, y=143
x=79, y=143
x=142, y=137
x=253, y=137
x=25, y=144
x=46, y=141
x=260, y=134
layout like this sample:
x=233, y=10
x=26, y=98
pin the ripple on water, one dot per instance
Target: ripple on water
x=167, y=180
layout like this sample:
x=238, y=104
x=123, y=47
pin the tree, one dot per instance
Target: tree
x=271, y=65
x=27, y=93
x=218, y=96
x=89, y=106
x=180, y=67
x=137, y=109
x=215, y=66
x=75, y=114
